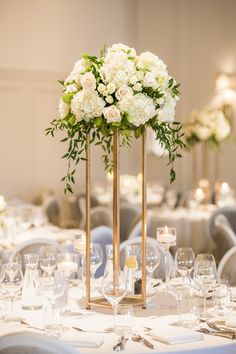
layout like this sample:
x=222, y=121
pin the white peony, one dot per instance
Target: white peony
x=112, y=114
x=88, y=81
x=123, y=91
x=87, y=105
x=64, y=109
x=140, y=108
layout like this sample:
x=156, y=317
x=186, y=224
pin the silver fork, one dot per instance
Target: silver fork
x=137, y=338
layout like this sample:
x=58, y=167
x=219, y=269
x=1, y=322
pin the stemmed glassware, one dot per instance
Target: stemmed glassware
x=166, y=236
x=114, y=289
x=11, y=283
x=184, y=261
x=179, y=289
x=67, y=263
x=53, y=288
x=48, y=259
x=152, y=262
x=96, y=258
x=205, y=275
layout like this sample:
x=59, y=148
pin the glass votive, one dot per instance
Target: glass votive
x=124, y=320
x=189, y=312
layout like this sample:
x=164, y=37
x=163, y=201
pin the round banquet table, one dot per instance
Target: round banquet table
x=154, y=316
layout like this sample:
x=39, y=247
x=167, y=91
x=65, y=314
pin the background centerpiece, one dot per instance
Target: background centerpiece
x=106, y=101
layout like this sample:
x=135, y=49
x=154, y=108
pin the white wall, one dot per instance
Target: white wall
x=40, y=41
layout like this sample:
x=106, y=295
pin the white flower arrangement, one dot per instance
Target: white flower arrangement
x=117, y=90
x=209, y=125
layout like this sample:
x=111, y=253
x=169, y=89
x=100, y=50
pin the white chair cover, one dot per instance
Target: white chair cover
x=229, y=212
x=103, y=236
x=129, y=216
x=225, y=237
x=99, y=216
x=227, y=267
x=28, y=343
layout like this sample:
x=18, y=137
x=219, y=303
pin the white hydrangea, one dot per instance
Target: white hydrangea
x=87, y=105
x=64, y=109
x=150, y=80
x=139, y=107
x=167, y=112
x=112, y=114
x=79, y=69
x=118, y=68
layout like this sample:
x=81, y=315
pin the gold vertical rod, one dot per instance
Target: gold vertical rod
x=194, y=168
x=144, y=217
x=116, y=205
x=88, y=221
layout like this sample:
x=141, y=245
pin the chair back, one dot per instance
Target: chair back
x=225, y=237
x=28, y=343
x=130, y=215
x=227, y=267
x=103, y=236
x=99, y=216
x=229, y=212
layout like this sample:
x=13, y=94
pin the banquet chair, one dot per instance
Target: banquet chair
x=137, y=229
x=130, y=215
x=34, y=245
x=160, y=271
x=99, y=216
x=103, y=236
x=230, y=218
x=82, y=206
x=227, y=267
x=52, y=209
x=28, y=343
x=224, y=237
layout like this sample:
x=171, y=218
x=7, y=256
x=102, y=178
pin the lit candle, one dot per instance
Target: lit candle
x=166, y=235
x=67, y=267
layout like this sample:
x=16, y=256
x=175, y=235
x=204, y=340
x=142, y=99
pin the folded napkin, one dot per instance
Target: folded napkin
x=83, y=340
x=170, y=335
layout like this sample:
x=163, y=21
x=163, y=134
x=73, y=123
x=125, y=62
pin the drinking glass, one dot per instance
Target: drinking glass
x=53, y=288
x=152, y=262
x=124, y=321
x=184, y=260
x=48, y=259
x=179, y=289
x=67, y=263
x=96, y=258
x=166, y=236
x=205, y=276
x=131, y=266
x=222, y=298
x=114, y=290
x=80, y=247
x=11, y=283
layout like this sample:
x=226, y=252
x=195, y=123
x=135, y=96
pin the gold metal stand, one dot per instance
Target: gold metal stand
x=135, y=299
x=194, y=167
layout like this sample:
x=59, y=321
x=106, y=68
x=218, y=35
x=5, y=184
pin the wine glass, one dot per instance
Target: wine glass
x=114, y=289
x=67, y=263
x=184, y=261
x=179, y=289
x=48, y=259
x=205, y=275
x=53, y=287
x=152, y=262
x=11, y=283
x=96, y=258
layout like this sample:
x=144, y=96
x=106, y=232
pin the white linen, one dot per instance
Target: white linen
x=83, y=340
x=175, y=335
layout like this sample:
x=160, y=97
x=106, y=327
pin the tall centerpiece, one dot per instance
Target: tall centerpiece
x=107, y=100
x=209, y=127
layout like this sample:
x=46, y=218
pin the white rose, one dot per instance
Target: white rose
x=137, y=87
x=202, y=132
x=101, y=88
x=109, y=99
x=111, y=88
x=64, y=109
x=133, y=80
x=88, y=81
x=112, y=114
x=105, y=93
x=123, y=92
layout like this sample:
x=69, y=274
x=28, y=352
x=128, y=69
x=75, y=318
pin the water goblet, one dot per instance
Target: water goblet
x=205, y=276
x=48, y=259
x=114, y=290
x=152, y=262
x=184, y=261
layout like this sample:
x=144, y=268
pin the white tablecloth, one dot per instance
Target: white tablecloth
x=153, y=316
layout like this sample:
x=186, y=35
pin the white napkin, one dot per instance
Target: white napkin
x=176, y=335
x=83, y=340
